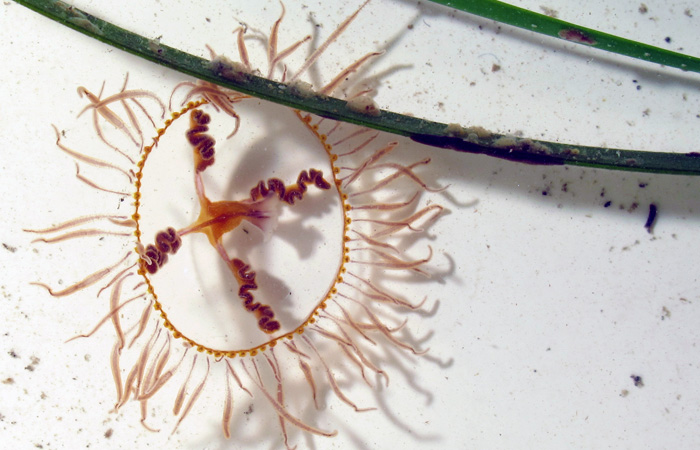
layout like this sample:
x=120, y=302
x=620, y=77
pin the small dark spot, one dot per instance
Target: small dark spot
x=9, y=380
x=9, y=248
x=638, y=382
x=651, y=219
x=108, y=433
x=208, y=20
x=643, y=185
x=668, y=39
x=495, y=68
x=545, y=193
x=13, y=354
x=639, y=88
x=643, y=9
x=410, y=26
x=607, y=204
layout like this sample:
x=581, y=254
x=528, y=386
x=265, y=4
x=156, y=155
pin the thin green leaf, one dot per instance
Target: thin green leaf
x=549, y=26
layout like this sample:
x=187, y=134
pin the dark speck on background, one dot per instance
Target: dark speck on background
x=651, y=219
x=638, y=382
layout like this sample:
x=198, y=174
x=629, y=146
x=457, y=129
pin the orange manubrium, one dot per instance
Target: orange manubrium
x=218, y=218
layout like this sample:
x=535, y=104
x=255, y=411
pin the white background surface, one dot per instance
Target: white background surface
x=553, y=301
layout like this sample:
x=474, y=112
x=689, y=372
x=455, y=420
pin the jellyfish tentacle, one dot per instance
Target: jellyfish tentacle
x=377, y=294
x=308, y=375
x=391, y=262
x=358, y=147
x=279, y=408
x=88, y=159
x=334, y=35
x=143, y=322
x=85, y=282
x=386, y=206
x=391, y=227
x=331, y=379
x=106, y=318
x=273, y=57
x=399, y=171
x=100, y=109
x=75, y=222
x=136, y=372
x=237, y=378
x=80, y=234
x=228, y=408
x=367, y=163
x=94, y=185
x=193, y=397
x=329, y=88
